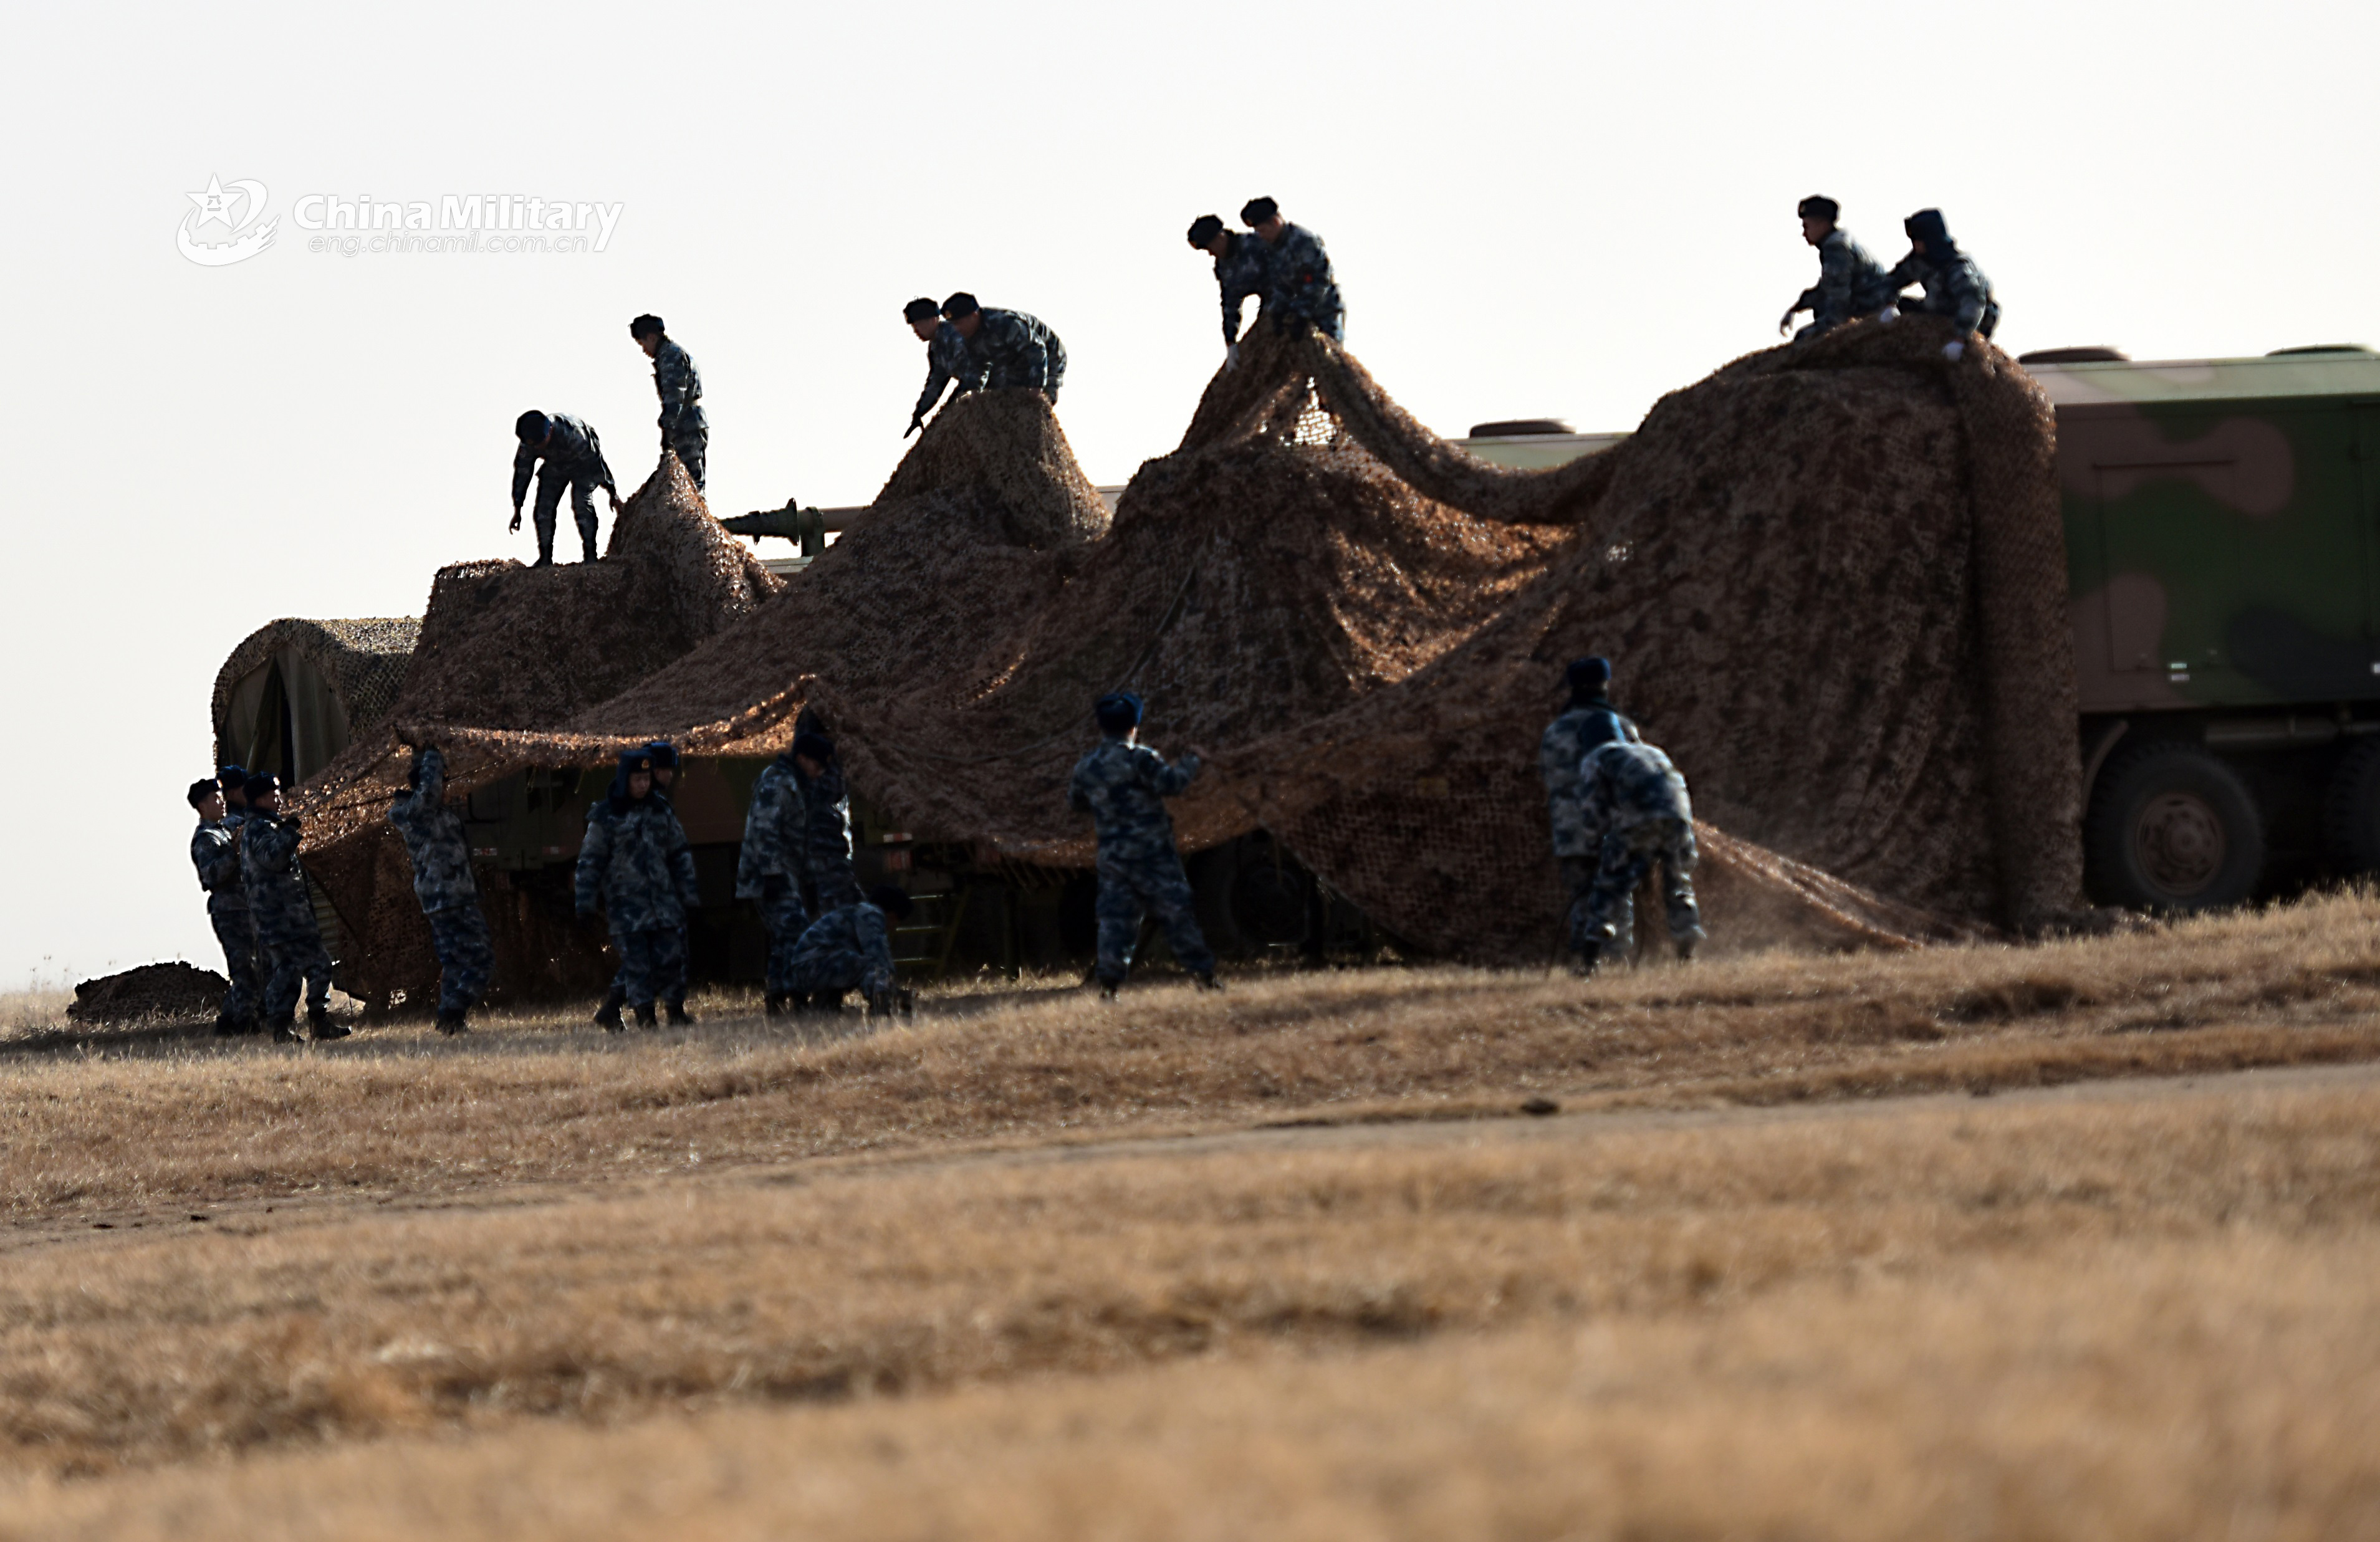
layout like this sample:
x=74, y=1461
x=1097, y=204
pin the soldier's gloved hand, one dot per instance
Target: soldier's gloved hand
x=915, y=422
x=1953, y=351
x=1785, y=323
x=613, y=493
x=514, y=529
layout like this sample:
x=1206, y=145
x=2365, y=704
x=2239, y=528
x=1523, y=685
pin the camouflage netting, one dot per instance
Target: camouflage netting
x=364, y=662
x=514, y=648
x=1831, y=575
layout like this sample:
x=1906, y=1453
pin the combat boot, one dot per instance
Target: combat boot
x=607, y=1016
x=645, y=1016
x=320, y=1029
x=1686, y=946
x=775, y=1004
x=1590, y=958
x=1207, y=981
x=451, y=1022
x=285, y=1031
x=1107, y=990
x=226, y=1025
x=678, y=1017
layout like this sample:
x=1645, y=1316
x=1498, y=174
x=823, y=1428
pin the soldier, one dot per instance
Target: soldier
x=574, y=458
x=947, y=360
x=1122, y=784
x=684, y=428
x=1850, y=282
x=215, y=851
x=672, y=988
x=1590, y=720
x=1240, y=268
x=1011, y=347
x=826, y=823
x=286, y=932
x=637, y=861
x=232, y=779
x=1954, y=286
x=769, y=869
x=441, y=853
x=1298, y=281
x=1631, y=793
x=850, y=947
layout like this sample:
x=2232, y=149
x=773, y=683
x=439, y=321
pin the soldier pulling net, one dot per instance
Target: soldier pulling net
x=1833, y=576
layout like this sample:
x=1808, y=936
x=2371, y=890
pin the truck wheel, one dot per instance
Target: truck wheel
x=2172, y=828
x=2350, y=812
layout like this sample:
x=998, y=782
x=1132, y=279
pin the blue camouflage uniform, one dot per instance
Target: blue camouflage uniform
x=1124, y=787
x=1298, y=281
x=286, y=932
x=684, y=427
x=1638, y=799
x=1241, y=274
x=768, y=868
x=637, y=861
x=441, y=853
x=1954, y=287
x=215, y=851
x=1013, y=348
x=574, y=459
x=948, y=358
x=826, y=838
x=1851, y=285
x=849, y=947
x=1578, y=846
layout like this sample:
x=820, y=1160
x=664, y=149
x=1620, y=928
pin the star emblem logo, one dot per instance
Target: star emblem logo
x=215, y=204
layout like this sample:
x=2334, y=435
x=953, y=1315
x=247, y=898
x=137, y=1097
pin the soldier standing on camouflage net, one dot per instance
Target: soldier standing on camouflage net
x=850, y=948
x=440, y=853
x=637, y=862
x=769, y=869
x=1241, y=266
x=286, y=932
x=1298, y=280
x=1122, y=784
x=1954, y=287
x=1011, y=347
x=215, y=851
x=1631, y=793
x=671, y=989
x=1850, y=282
x=574, y=458
x=684, y=427
x=826, y=823
x=1590, y=720
x=947, y=360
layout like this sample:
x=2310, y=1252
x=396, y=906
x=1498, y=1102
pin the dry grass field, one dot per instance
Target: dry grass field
x=1986, y=1241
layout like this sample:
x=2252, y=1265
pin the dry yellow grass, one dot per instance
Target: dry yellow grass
x=2220, y=1387
x=397, y=1110
x=336, y=1321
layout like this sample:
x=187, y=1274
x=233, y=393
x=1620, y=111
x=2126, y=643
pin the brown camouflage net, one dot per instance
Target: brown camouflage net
x=365, y=662
x=1832, y=577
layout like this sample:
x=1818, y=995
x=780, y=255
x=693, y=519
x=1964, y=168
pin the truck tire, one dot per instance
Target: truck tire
x=2351, y=811
x=2173, y=828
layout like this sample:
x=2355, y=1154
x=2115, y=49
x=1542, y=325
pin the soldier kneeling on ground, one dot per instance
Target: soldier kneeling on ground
x=1632, y=794
x=849, y=948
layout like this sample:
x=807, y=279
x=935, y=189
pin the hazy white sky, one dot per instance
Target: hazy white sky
x=1535, y=209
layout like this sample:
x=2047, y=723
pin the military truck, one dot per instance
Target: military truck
x=2223, y=558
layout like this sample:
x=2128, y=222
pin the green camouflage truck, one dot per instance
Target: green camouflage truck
x=2223, y=556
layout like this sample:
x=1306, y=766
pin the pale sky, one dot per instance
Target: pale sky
x=1534, y=210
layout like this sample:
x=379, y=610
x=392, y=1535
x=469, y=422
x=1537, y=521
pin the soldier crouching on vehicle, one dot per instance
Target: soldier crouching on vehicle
x=1638, y=799
x=1012, y=348
x=637, y=862
x=441, y=853
x=1850, y=282
x=574, y=459
x=1242, y=263
x=215, y=851
x=948, y=359
x=1954, y=287
x=286, y=932
x=851, y=947
x=1589, y=720
x=1122, y=784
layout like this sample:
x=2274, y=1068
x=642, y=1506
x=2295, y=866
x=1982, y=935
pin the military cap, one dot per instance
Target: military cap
x=1819, y=206
x=201, y=791
x=664, y=755
x=921, y=309
x=645, y=324
x=1118, y=710
x=1925, y=227
x=231, y=778
x=1590, y=673
x=638, y=760
x=260, y=785
x=960, y=304
x=818, y=746
x=1256, y=210
x=1204, y=229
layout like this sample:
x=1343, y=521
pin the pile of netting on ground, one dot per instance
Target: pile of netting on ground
x=513, y=648
x=1832, y=577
